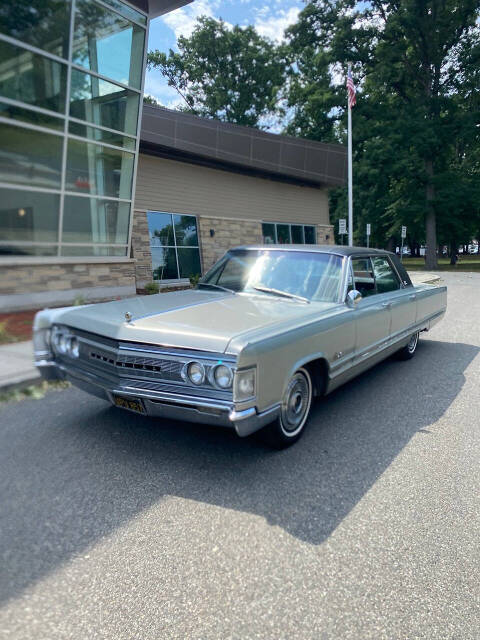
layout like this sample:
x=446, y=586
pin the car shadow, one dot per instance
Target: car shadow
x=75, y=469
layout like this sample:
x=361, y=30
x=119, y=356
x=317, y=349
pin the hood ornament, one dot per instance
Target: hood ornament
x=128, y=316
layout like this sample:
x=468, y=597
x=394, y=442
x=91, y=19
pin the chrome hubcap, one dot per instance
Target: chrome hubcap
x=412, y=345
x=296, y=403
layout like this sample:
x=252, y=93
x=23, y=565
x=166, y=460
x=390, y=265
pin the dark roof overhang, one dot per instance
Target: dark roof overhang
x=186, y=137
x=156, y=8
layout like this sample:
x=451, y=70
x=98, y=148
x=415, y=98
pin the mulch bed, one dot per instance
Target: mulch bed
x=18, y=324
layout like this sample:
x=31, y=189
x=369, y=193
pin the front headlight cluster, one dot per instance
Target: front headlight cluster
x=64, y=343
x=218, y=375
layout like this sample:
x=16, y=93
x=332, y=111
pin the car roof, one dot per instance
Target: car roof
x=336, y=249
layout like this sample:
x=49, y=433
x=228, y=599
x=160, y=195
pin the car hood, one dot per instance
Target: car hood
x=193, y=319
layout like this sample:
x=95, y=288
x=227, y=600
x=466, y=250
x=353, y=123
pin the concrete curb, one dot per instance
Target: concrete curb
x=417, y=277
x=18, y=383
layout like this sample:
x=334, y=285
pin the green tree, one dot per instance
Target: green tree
x=231, y=74
x=415, y=62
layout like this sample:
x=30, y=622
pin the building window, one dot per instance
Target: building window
x=174, y=245
x=282, y=233
x=68, y=128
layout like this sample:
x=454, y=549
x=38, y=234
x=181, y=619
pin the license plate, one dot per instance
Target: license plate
x=133, y=404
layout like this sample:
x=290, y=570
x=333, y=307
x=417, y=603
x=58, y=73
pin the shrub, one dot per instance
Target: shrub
x=194, y=279
x=151, y=288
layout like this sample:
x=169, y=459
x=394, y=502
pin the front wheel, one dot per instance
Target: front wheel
x=408, y=351
x=294, y=411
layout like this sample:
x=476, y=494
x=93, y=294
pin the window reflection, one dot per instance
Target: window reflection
x=95, y=220
x=98, y=170
x=174, y=245
x=28, y=216
x=108, y=44
x=42, y=23
x=103, y=103
x=32, y=78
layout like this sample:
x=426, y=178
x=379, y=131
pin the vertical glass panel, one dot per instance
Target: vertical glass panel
x=87, y=251
x=297, y=234
x=128, y=12
x=283, y=234
x=103, y=103
x=31, y=78
x=27, y=216
x=268, y=232
x=189, y=262
x=98, y=170
x=101, y=135
x=108, y=44
x=30, y=157
x=160, y=229
x=385, y=277
x=185, y=231
x=164, y=263
x=310, y=235
x=42, y=23
x=26, y=115
x=95, y=220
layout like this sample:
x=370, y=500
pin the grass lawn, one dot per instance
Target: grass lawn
x=465, y=263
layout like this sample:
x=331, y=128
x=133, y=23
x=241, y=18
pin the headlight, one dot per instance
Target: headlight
x=244, y=385
x=223, y=376
x=194, y=372
x=74, y=348
x=63, y=343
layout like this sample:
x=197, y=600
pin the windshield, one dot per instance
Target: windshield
x=310, y=275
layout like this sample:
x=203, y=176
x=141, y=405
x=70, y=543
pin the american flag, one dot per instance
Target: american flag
x=352, y=100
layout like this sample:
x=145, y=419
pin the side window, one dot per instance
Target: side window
x=363, y=276
x=385, y=277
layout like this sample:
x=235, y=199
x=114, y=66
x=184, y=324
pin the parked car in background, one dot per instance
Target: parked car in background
x=267, y=329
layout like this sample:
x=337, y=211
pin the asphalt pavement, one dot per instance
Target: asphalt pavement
x=116, y=526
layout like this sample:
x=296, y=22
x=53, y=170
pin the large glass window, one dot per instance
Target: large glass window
x=174, y=245
x=103, y=103
x=92, y=220
x=281, y=233
x=99, y=170
x=42, y=23
x=108, y=44
x=28, y=216
x=33, y=117
x=32, y=78
x=30, y=157
x=102, y=135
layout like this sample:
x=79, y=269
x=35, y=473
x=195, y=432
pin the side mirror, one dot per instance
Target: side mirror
x=353, y=298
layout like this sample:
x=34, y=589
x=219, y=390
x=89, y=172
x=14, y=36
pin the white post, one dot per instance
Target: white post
x=350, y=177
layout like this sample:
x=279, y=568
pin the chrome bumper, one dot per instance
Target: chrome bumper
x=166, y=405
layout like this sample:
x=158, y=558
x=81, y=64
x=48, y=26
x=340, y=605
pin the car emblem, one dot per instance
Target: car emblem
x=128, y=316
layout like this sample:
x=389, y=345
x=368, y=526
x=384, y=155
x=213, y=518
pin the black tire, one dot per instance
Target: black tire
x=409, y=349
x=295, y=410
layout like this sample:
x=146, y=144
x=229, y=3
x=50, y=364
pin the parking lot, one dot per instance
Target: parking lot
x=117, y=526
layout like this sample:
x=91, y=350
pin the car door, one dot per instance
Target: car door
x=402, y=300
x=372, y=314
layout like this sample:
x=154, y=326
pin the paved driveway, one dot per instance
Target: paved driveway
x=115, y=526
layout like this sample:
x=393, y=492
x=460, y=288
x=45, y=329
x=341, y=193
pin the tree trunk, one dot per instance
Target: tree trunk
x=453, y=252
x=430, y=220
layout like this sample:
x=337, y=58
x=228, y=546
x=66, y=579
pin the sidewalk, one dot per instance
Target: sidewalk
x=17, y=369
x=16, y=360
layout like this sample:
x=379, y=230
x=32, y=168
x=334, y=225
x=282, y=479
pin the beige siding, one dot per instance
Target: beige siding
x=168, y=185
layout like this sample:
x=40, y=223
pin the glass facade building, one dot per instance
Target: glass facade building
x=71, y=76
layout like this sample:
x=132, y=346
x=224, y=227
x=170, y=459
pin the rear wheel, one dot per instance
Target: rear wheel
x=294, y=411
x=409, y=349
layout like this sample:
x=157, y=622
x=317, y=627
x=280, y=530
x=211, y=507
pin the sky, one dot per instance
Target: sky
x=270, y=18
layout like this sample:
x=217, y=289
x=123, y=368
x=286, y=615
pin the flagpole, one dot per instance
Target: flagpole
x=350, y=176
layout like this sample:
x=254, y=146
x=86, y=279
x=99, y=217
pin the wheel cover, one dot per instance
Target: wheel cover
x=296, y=404
x=412, y=345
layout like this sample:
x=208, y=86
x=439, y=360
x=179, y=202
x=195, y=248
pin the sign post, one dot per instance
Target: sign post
x=342, y=228
x=404, y=235
x=369, y=229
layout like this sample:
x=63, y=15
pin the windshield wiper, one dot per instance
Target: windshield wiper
x=283, y=294
x=215, y=286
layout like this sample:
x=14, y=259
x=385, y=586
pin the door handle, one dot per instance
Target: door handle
x=386, y=305
x=412, y=296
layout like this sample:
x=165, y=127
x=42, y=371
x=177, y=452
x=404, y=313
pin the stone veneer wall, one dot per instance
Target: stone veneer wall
x=26, y=286
x=228, y=233
x=323, y=231
x=141, y=249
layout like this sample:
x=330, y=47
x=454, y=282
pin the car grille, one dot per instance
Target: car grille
x=154, y=370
